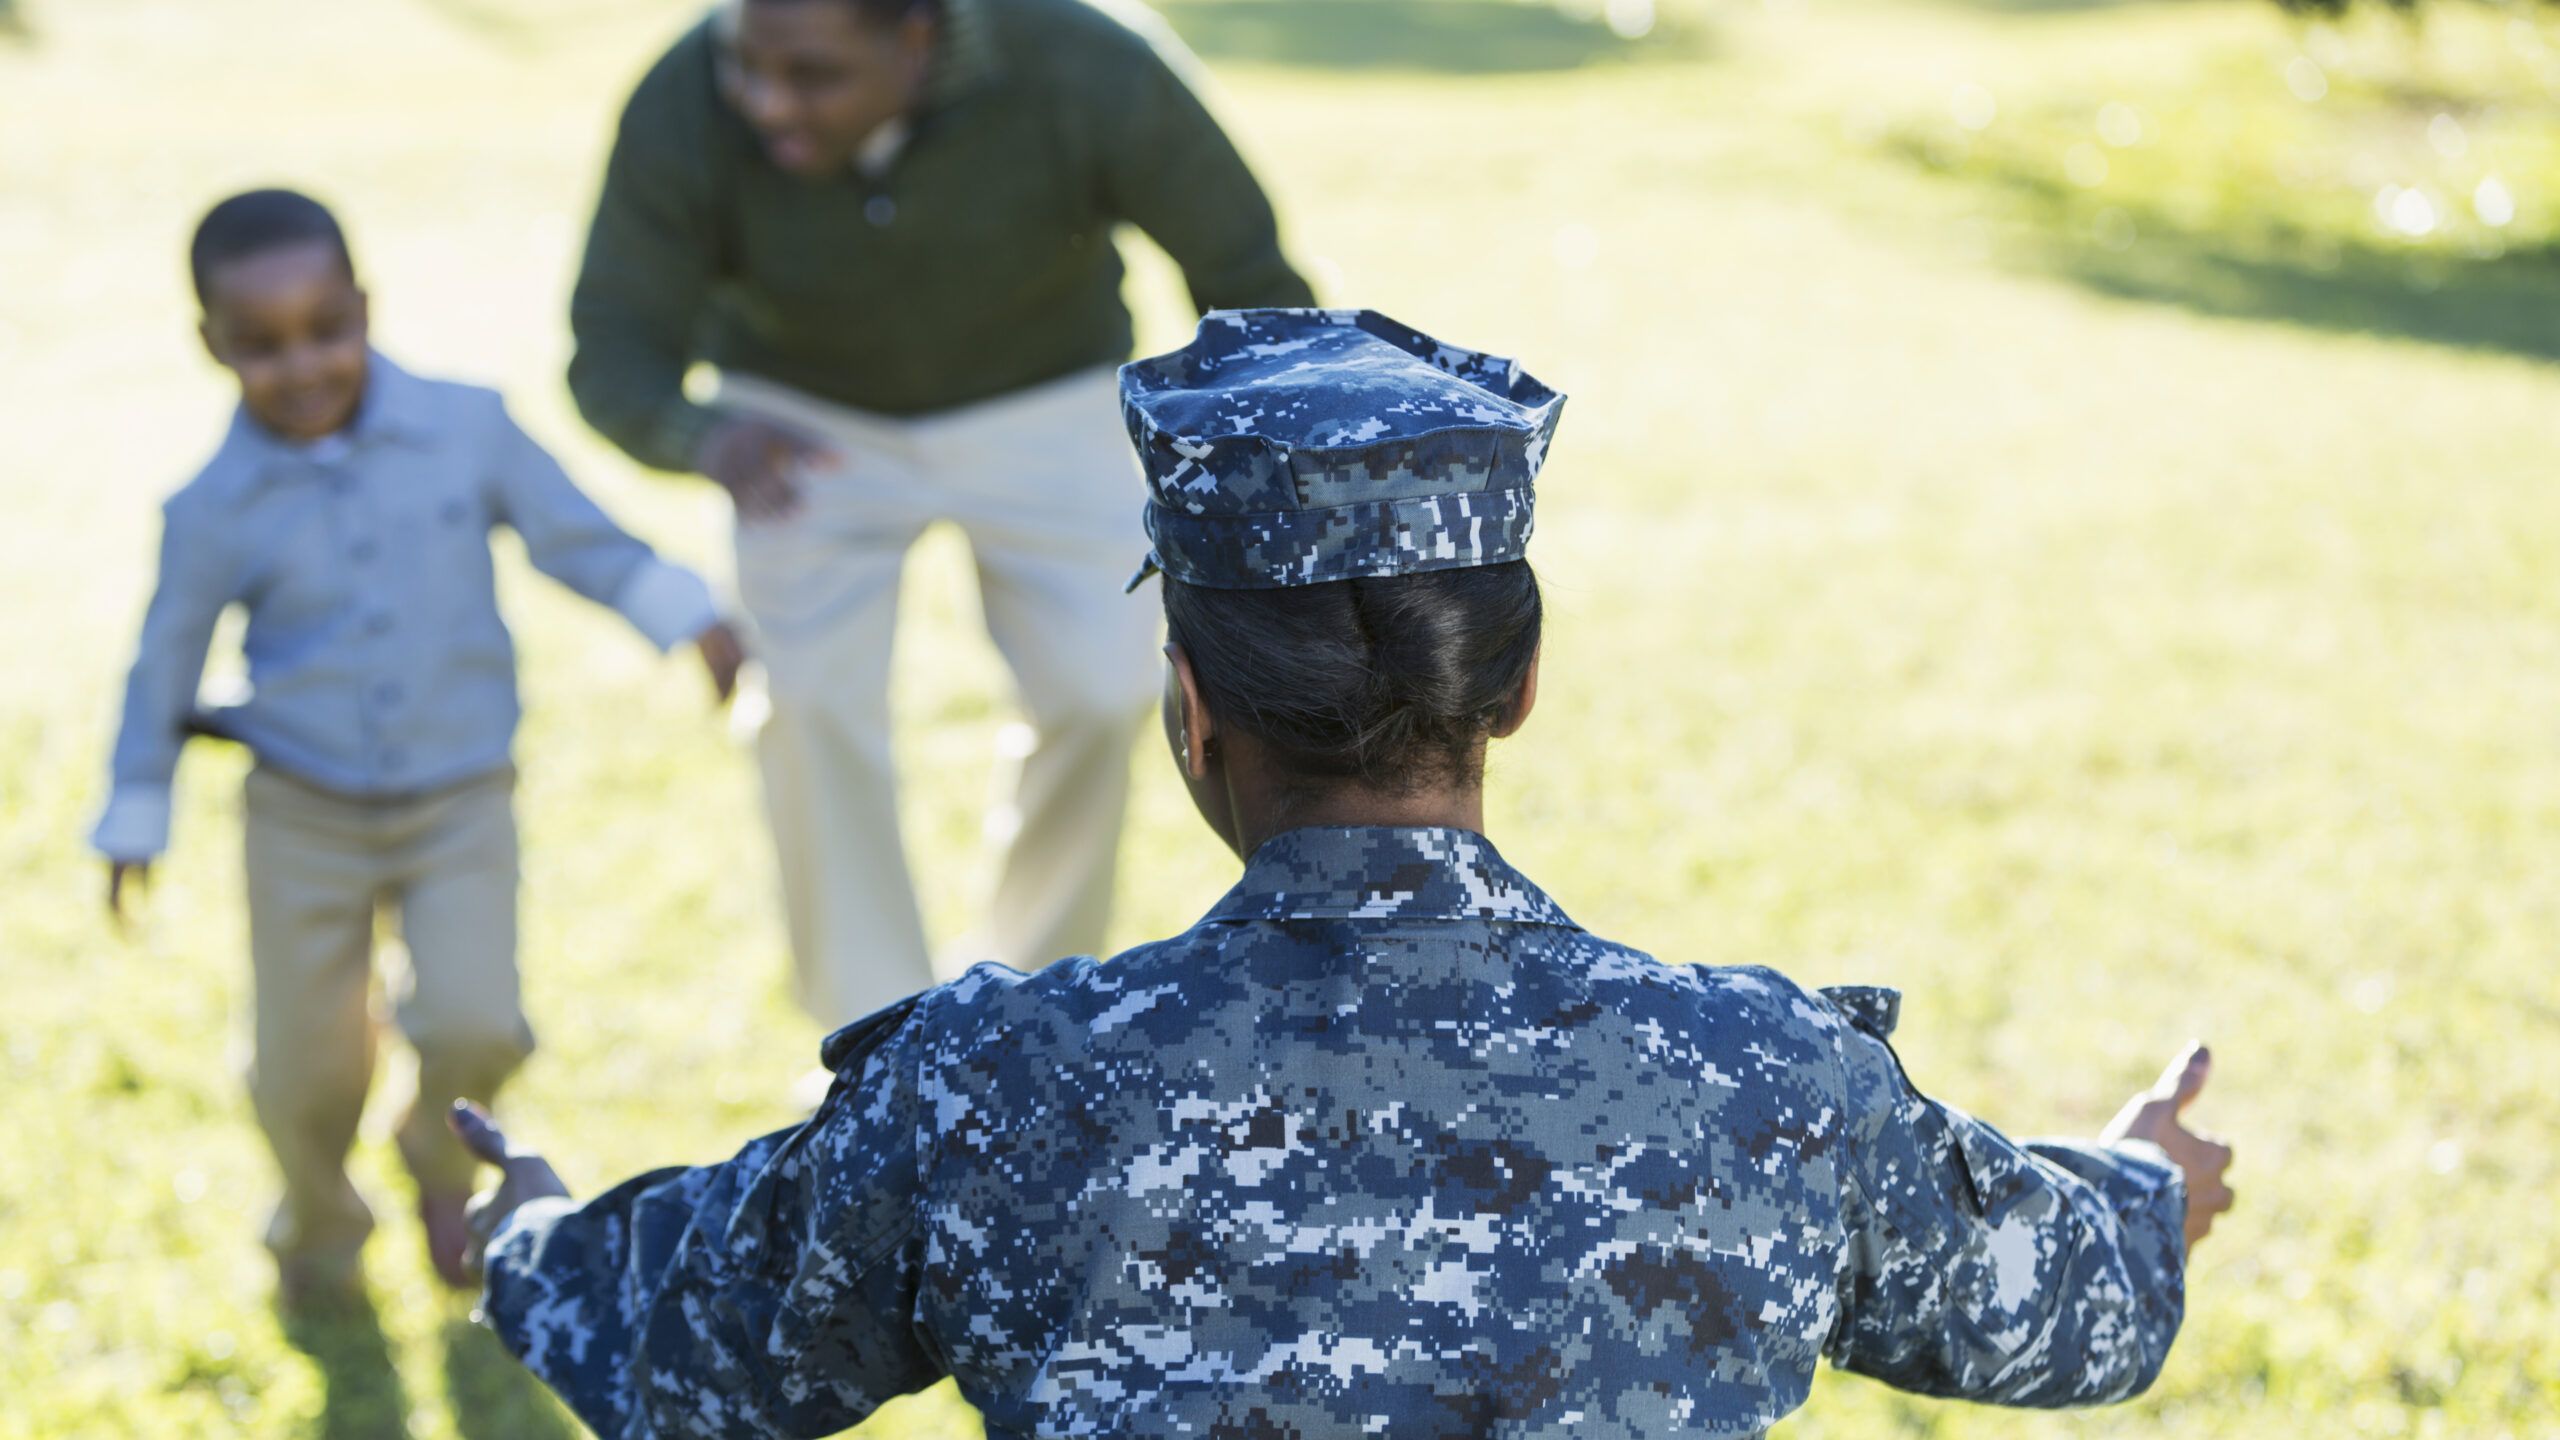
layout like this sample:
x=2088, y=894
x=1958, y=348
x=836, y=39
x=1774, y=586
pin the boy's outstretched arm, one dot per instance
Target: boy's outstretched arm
x=195, y=583
x=568, y=537
x=1981, y=1268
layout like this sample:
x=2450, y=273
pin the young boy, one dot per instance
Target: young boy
x=348, y=511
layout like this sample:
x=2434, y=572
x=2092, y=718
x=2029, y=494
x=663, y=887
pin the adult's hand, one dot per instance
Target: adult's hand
x=121, y=875
x=2157, y=1115
x=760, y=464
x=522, y=1177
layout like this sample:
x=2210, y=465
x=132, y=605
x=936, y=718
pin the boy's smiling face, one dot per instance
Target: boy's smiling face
x=291, y=323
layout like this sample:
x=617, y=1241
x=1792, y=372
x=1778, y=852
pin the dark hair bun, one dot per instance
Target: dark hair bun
x=1393, y=682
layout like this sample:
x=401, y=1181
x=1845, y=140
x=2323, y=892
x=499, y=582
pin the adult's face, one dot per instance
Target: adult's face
x=815, y=78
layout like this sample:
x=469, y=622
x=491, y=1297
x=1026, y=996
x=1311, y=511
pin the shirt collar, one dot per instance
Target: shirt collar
x=393, y=410
x=1383, y=873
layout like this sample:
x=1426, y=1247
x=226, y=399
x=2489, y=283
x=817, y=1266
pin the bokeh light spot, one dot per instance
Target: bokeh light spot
x=2308, y=82
x=2120, y=125
x=1973, y=106
x=2405, y=210
x=2446, y=134
x=2493, y=202
x=1629, y=19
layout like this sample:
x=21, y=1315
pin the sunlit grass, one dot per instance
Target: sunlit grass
x=2437, y=141
x=2106, y=645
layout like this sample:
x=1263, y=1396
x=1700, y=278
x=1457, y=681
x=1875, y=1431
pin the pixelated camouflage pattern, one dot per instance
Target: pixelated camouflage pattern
x=1384, y=1145
x=1293, y=447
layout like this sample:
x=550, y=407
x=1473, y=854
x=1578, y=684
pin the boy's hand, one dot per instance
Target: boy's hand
x=722, y=653
x=522, y=1176
x=759, y=463
x=121, y=873
x=2154, y=1115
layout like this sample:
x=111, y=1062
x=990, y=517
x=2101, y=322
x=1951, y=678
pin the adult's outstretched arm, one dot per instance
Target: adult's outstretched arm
x=767, y=1296
x=1983, y=1268
x=652, y=254
x=1170, y=169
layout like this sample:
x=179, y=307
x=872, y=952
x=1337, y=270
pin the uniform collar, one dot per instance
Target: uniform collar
x=393, y=411
x=1384, y=873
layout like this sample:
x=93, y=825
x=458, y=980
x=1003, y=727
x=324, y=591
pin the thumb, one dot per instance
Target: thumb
x=478, y=1133
x=2185, y=1077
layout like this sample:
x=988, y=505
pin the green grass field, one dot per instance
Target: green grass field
x=2113, y=607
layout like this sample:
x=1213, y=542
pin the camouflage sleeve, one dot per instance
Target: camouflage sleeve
x=770, y=1295
x=1986, y=1269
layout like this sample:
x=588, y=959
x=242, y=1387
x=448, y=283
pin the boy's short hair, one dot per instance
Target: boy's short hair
x=254, y=222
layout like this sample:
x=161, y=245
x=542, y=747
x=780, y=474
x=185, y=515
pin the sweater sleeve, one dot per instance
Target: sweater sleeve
x=652, y=255
x=1170, y=170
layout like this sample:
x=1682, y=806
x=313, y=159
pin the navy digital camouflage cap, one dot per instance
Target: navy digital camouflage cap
x=1294, y=447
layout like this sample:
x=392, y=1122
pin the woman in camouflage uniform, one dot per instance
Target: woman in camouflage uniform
x=1385, y=1143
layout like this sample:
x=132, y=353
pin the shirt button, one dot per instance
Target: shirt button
x=879, y=210
x=395, y=758
x=378, y=623
x=361, y=551
x=387, y=693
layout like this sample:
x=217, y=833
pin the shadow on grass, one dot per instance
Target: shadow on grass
x=362, y=1396
x=2510, y=304
x=493, y=1397
x=1461, y=37
x=2277, y=272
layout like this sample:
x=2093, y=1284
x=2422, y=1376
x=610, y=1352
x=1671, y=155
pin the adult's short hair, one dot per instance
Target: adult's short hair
x=254, y=222
x=1393, y=682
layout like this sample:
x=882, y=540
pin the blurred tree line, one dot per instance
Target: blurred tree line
x=2332, y=9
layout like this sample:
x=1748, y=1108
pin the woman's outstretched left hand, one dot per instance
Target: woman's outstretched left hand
x=522, y=1177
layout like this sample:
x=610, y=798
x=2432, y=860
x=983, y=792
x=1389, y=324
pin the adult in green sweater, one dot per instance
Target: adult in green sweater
x=887, y=225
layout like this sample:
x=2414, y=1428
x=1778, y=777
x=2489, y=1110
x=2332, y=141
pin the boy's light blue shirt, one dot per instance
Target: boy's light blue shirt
x=378, y=664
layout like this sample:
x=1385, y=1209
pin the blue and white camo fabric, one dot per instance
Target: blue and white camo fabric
x=1384, y=1145
x=1293, y=447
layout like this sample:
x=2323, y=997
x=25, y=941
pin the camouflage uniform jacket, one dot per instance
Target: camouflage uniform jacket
x=1384, y=1144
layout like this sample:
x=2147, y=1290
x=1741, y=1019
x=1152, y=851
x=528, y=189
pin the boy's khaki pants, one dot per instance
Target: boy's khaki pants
x=320, y=865
x=1044, y=486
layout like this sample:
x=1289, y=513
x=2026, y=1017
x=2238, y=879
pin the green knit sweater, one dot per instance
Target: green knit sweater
x=980, y=261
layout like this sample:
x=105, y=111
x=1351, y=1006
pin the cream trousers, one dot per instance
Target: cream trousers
x=320, y=867
x=1043, y=485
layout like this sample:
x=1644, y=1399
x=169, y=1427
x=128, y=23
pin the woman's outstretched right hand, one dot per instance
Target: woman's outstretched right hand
x=2158, y=1115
